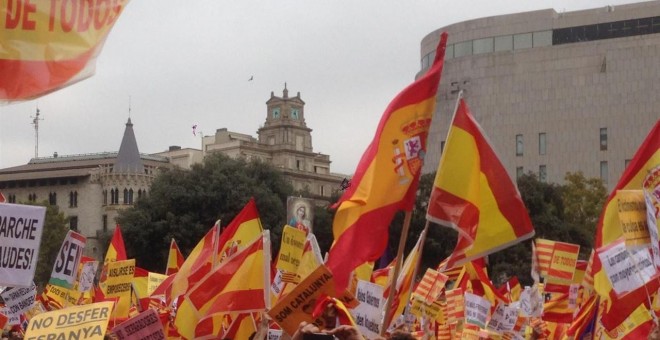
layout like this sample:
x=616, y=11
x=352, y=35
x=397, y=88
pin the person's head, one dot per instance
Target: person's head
x=401, y=335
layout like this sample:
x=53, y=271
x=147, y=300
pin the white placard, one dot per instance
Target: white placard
x=504, y=318
x=21, y=227
x=652, y=223
x=531, y=303
x=67, y=261
x=87, y=274
x=18, y=301
x=274, y=334
x=368, y=314
x=476, y=309
x=626, y=273
x=573, y=290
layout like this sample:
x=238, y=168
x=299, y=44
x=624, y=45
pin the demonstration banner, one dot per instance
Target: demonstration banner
x=153, y=281
x=564, y=259
x=145, y=325
x=420, y=309
x=291, y=249
x=118, y=277
x=476, y=310
x=67, y=261
x=298, y=305
x=18, y=301
x=632, y=215
x=368, y=314
x=626, y=269
x=21, y=227
x=503, y=319
x=87, y=274
x=78, y=322
x=47, y=45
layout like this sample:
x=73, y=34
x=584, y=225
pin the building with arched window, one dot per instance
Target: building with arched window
x=97, y=185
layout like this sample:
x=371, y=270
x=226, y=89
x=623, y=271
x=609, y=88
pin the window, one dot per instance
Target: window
x=32, y=197
x=519, y=145
x=73, y=199
x=73, y=223
x=130, y=196
x=604, y=173
x=52, y=198
x=276, y=113
x=104, y=221
x=603, y=139
x=449, y=53
x=115, y=196
x=523, y=40
x=298, y=164
x=480, y=46
x=11, y=198
x=125, y=196
x=519, y=171
x=543, y=38
x=542, y=143
x=463, y=49
x=543, y=173
x=105, y=197
x=321, y=190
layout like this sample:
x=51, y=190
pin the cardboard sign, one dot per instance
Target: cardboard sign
x=67, y=261
x=476, y=310
x=291, y=250
x=564, y=259
x=632, y=215
x=118, y=277
x=87, y=275
x=504, y=318
x=21, y=227
x=145, y=325
x=368, y=314
x=153, y=281
x=298, y=305
x=78, y=322
x=18, y=301
x=626, y=269
x=420, y=309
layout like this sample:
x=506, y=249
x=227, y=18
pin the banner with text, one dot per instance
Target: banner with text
x=632, y=216
x=368, y=314
x=18, y=301
x=626, y=269
x=21, y=227
x=67, y=261
x=154, y=280
x=145, y=325
x=78, y=322
x=476, y=310
x=291, y=250
x=564, y=259
x=503, y=319
x=117, y=281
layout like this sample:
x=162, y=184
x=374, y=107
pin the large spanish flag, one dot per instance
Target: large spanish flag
x=473, y=194
x=609, y=229
x=47, y=45
x=387, y=176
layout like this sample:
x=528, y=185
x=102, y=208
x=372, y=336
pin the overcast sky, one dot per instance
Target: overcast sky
x=188, y=62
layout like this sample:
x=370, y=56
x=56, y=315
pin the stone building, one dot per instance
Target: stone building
x=554, y=92
x=89, y=189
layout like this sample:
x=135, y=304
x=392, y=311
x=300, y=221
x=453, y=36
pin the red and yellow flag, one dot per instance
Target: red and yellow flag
x=387, y=176
x=47, y=45
x=474, y=194
x=243, y=230
x=116, y=249
x=174, y=259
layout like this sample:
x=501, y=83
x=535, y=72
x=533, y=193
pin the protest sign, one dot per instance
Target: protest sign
x=118, y=277
x=87, y=274
x=68, y=258
x=368, y=314
x=503, y=319
x=476, y=310
x=298, y=305
x=632, y=216
x=153, y=281
x=274, y=334
x=531, y=303
x=77, y=322
x=18, y=301
x=145, y=325
x=626, y=269
x=564, y=259
x=573, y=295
x=420, y=309
x=21, y=227
x=291, y=250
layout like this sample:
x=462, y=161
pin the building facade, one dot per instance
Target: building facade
x=89, y=189
x=284, y=141
x=554, y=92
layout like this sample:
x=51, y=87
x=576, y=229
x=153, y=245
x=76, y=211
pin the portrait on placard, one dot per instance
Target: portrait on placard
x=300, y=213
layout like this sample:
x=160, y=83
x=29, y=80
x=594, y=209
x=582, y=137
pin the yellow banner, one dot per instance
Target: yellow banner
x=419, y=309
x=632, y=215
x=153, y=282
x=291, y=250
x=79, y=322
x=118, y=277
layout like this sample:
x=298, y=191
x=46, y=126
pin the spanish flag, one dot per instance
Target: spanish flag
x=387, y=176
x=473, y=194
x=116, y=249
x=174, y=259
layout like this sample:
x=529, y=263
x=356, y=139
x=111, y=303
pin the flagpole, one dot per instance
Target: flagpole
x=397, y=269
x=216, y=241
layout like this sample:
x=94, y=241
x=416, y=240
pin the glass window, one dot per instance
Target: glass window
x=519, y=172
x=542, y=143
x=543, y=173
x=73, y=223
x=449, y=52
x=604, y=173
x=519, y=145
x=52, y=198
x=104, y=221
x=504, y=43
x=543, y=38
x=603, y=138
x=523, y=40
x=482, y=46
x=463, y=49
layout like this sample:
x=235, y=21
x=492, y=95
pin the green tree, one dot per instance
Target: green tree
x=583, y=199
x=55, y=229
x=184, y=205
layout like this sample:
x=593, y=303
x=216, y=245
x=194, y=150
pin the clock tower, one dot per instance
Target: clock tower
x=285, y=123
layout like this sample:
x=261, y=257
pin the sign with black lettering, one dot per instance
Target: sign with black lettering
x=77, y=322
x=145, y=325
x=627, y=269
x=21, y=227
x=18, y=301
x=368, y=314
x=67, y=261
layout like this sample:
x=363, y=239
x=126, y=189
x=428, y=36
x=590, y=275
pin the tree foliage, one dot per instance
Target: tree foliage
x=55, y=229
x=184, y=205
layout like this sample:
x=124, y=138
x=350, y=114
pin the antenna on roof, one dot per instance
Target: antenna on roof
x=129, y=107
x=35, y=122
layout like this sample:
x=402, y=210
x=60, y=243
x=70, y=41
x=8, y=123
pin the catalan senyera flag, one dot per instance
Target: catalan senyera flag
x=564, y=260
x=46, y=47
x=236, y=285
x=174, y=259
x=583, y=321
x=608, y=228
x=116, y=249
x=386, y=177
x=431, y=286
x=474, y=194
x=544, y=249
